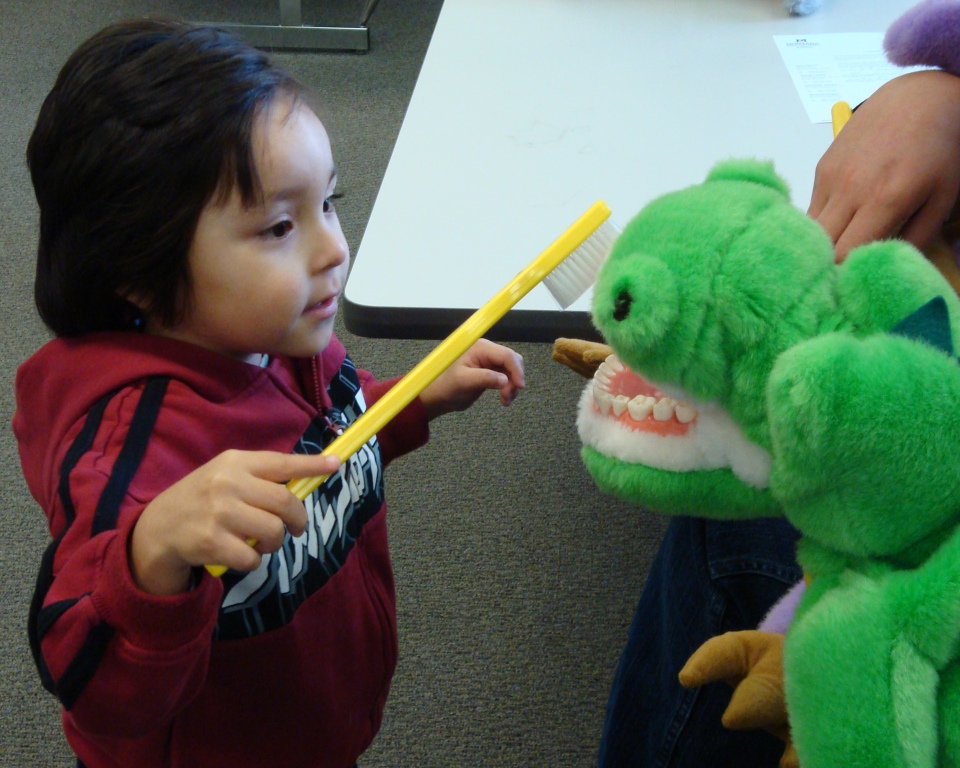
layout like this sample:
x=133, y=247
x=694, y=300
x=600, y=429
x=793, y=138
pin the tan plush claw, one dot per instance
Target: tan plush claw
x=752, y=663
x=789, y=758
x=583, y=357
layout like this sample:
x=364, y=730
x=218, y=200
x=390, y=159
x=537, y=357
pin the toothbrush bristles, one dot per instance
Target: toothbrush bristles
x=576, y=273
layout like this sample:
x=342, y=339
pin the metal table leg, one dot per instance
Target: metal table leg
x=291, y=34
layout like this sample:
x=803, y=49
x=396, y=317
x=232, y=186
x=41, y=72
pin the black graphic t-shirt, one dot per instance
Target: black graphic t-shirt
x=267, y=598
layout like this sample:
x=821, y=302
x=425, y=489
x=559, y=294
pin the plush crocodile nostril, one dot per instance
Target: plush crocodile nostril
x=621, y=305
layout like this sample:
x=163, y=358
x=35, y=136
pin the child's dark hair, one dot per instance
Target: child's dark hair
x=146, y=122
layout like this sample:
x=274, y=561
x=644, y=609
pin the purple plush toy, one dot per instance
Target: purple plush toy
x=926, y=35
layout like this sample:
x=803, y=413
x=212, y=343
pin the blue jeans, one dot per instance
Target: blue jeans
x=708, y=577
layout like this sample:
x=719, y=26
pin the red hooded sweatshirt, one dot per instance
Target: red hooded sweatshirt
x=288, y=665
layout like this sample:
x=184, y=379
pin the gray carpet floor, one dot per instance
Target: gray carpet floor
x=516, y=578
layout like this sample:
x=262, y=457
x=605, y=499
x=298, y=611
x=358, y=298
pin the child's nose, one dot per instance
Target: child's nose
x=330, y=249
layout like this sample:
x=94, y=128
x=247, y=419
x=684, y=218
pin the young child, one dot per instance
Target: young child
x=190, y=264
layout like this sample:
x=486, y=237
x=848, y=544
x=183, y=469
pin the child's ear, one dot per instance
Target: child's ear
x=136, y=300
x=136, y=309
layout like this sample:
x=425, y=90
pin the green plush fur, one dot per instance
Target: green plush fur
x=727, y=296
x=677, y=493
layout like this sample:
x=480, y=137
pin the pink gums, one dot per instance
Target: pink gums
x=631, y=384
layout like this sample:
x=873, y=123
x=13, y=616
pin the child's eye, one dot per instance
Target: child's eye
x=328, y=203
x=278, y=230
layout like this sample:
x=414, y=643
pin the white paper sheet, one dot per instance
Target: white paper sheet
x=836, y=67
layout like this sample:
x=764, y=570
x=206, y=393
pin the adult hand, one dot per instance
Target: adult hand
x=894, y=169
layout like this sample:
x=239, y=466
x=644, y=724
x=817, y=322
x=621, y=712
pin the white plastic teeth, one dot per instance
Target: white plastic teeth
x=685, y=413
x=620, y=403
x=606, y=370
x=663, y=409
x=639, y=407
x=613, y=363
x=604, y=399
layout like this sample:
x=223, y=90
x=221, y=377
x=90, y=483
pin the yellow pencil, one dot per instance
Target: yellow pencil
x=840, y=113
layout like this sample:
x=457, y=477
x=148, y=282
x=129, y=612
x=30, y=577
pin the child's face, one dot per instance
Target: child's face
x=266, y=279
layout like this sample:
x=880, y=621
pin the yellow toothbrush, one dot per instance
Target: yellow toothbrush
x=567, y=267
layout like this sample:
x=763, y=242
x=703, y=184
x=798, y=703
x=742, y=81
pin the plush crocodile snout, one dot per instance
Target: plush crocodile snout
x=635, y=301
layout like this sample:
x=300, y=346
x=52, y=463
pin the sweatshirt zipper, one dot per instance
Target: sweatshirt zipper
x=333, y=426
x=317, y=399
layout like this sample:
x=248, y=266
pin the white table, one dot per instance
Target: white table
x=527, y=111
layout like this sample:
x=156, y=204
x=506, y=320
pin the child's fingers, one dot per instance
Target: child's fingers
x=513, y=365
x=258, y=525
x=269, y=531
x=237, y=554
x=500, y=358
x=267, y=493
x=285, y=511
x=486, y=378
x=509, y=388
x=273, y=496
x=282, y=467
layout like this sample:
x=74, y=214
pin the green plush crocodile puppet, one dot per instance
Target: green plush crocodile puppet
x=753, y=376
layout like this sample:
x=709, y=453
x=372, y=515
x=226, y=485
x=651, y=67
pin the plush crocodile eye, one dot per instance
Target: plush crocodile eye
x=621, y=305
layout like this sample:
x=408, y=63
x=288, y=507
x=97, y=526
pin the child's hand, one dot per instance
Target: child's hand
x=209, y=515
x=484, y=366
x=894, y=170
